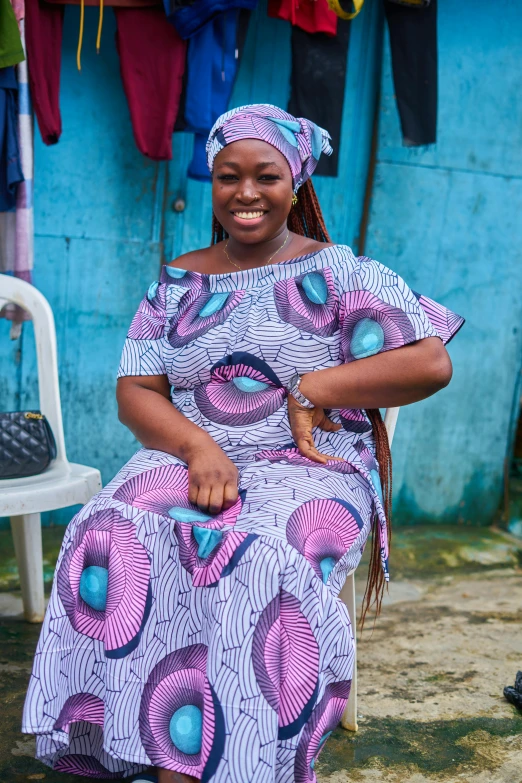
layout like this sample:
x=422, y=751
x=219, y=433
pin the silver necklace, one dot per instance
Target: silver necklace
x=265, y=263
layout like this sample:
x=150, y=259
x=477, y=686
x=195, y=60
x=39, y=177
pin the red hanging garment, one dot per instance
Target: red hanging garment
x=152, y=63
x=43, y=39
x=314, y=16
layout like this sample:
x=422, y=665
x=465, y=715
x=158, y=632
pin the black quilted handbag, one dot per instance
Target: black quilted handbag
x=27, y=444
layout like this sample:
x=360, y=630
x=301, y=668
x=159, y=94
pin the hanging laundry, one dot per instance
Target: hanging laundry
x=24, y=239
x=416, y=3
x=109, y=3
x=413, y=43
x=11, y=49
x=346, y=9
x=243, y=21
x=313, y=16
x=212, y=66
x=189, y=18
x=317, y=84
x=10, y=164
x=16, y=226
x=152, y=63
x=43, y=35
x=19, y=11
x=100, y=5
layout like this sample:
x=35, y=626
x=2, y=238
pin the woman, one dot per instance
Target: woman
x=194, y=629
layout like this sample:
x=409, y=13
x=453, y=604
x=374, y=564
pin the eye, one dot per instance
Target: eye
x=227, y=177
x=269, y=177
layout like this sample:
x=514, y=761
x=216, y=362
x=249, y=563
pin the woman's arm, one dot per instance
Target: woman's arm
x=393, y=378
x=398, y=377
x=144, y=406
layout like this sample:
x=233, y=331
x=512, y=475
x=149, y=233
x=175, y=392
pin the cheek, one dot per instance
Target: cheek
x=282, y=202
x=219, y=197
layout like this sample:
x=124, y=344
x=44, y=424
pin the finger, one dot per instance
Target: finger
x=327, y=425
x=230, y=494
x=193, y=492
x=215, y=503
x=307, y=449
x=203, y=498
x=327, y=457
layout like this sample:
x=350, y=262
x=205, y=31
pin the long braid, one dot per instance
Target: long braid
x=306, y=219
x=218, y=232
x=376, y=582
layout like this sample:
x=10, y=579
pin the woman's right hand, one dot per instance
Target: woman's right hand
x=213, y=478
x=145, y=408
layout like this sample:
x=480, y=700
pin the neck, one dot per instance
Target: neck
x=257, y=253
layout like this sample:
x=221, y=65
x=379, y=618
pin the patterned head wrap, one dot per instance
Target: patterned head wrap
x=299, y=140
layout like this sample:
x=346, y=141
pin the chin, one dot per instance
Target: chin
x=247, y=237
x=255, y=234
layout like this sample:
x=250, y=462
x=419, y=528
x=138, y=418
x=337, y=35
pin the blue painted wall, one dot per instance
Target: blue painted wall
x=105, y=223
x=445, y=218
x=448, y=219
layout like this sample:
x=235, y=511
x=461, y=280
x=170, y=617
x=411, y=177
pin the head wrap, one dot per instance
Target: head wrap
x=299, y=140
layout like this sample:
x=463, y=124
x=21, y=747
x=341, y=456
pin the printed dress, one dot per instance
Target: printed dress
x=218, y=646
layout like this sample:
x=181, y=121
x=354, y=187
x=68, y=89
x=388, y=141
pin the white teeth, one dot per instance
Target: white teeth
x=249, y=215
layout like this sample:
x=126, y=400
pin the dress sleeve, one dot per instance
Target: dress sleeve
x=379, y=312
x=142, y=352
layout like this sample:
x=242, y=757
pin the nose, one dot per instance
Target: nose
x=247, y=192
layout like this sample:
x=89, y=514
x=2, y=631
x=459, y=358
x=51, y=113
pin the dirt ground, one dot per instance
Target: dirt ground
x=431, y=673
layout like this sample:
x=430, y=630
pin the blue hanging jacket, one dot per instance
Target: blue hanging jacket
x=190, y=19
x=212, y=67
x=10, y=165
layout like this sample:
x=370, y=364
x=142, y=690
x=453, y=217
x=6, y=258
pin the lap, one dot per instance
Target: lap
x=322, y=512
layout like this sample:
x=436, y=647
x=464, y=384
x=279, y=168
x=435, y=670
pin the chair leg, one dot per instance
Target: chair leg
x=347, y=595
x=27, y=537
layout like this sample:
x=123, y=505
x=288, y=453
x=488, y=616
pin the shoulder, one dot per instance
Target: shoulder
x=358, y=273
x=195, y=260
x=307, y=245
x=362, y=269
x=340, y=259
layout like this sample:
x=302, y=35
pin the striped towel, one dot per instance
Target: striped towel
x=17, y=227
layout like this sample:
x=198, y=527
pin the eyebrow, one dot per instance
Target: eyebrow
x=263, y=165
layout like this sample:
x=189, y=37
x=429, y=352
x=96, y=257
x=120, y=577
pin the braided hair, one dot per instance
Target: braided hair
x=306, y=219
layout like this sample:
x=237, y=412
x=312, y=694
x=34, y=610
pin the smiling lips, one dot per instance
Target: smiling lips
x=249, y=215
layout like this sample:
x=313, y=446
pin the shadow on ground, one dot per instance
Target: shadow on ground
x=431, y=670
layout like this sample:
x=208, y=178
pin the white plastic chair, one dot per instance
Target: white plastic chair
x=63, y=483
x=347, y=596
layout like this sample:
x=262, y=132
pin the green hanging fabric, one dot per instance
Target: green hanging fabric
x=11, y=49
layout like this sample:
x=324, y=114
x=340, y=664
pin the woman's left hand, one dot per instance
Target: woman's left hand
x=302, y=421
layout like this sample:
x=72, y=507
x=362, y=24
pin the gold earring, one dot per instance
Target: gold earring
x=294, y=200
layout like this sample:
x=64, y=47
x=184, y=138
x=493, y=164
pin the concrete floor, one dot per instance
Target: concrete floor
x=431, y=673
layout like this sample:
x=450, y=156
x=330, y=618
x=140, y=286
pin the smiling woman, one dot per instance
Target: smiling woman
x=194, y=625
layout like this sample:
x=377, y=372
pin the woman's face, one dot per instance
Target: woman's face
x=251, y=190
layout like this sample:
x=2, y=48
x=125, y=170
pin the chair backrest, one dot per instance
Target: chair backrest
x=29, y=298
x=390, y=422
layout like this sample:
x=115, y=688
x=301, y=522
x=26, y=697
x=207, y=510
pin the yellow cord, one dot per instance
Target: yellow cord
x=80, y=37
x=100, y=25
x=336, y=7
